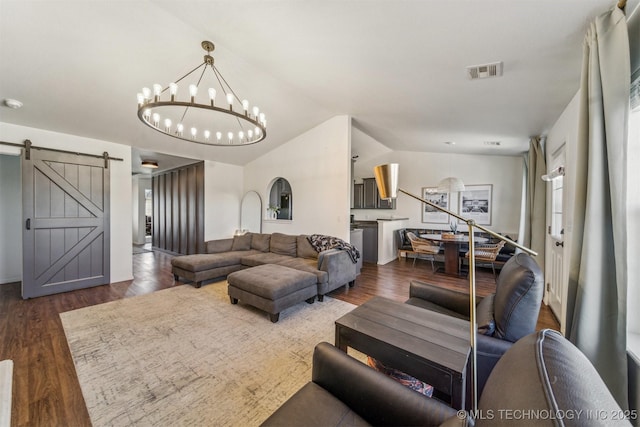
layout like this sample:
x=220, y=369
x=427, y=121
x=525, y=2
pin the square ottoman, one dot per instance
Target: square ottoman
x=272, y=288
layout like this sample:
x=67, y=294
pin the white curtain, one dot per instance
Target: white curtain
x=536, y=210
x=596, y=300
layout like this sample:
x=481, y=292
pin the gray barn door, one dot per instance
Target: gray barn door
x=66, y=223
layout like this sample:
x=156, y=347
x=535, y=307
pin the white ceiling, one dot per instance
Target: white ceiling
x=396, y=66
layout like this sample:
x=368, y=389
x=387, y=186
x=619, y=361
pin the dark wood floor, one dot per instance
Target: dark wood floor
x=46, y=391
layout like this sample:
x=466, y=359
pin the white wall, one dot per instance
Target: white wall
x=10, y=219
x=139, y=183
x=317, y=165
x=120, y=215
x=223, y=184
x=418, y=170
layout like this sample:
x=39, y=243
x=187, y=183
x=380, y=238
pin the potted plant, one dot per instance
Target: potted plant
x=273, y=211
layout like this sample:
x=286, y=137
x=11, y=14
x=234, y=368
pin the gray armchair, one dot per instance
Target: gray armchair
x=502, y=318
x=542, y=380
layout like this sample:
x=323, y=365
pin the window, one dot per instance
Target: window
x=280, y=200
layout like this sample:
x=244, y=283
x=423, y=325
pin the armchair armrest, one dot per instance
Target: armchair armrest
x=372, y=395
x=446, y=298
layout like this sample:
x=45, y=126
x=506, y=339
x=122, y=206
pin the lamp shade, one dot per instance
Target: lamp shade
x=450, y=185
x=387, y=180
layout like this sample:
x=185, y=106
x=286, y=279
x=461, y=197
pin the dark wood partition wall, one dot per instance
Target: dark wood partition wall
x=178, y=210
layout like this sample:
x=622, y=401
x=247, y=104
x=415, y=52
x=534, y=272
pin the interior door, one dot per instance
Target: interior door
x=555, y=239
x=65, y=223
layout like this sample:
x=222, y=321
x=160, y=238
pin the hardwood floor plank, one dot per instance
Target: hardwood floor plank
x=46, y=389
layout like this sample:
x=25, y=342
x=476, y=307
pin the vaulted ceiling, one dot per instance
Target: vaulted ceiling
x=396, y=66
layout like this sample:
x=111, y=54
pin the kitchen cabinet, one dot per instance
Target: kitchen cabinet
x=358, y=196
x=369, y=240
x=370, y=193
x=370, y=198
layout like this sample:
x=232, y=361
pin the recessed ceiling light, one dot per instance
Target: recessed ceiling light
x=12, y=103
x=150, y=164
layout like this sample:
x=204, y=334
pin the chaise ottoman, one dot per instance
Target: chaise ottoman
x=272, y=288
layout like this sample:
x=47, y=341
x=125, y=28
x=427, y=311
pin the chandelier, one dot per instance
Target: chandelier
x=224, y=120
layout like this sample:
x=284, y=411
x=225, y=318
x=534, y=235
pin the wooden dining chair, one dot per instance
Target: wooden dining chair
x=423, y=247
x=487, y=253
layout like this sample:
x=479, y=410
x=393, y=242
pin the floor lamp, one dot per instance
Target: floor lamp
x=387, y=181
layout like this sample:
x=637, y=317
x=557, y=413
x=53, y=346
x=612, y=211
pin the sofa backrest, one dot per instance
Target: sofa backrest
x=260, y=242
x=305, y=249
x=547, y=379
x=284, y=244
x=518, y=297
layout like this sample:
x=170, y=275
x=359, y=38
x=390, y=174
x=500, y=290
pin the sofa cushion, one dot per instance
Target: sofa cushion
x=283, y=244
x=305, y=250
x=312, y=403
x=517, y=298
x=241, y=243
x=308, y=265
x=260, y=258
x=260, y=242
x=201, y=262
x=220, y=245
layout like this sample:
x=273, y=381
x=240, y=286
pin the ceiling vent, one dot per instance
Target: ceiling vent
x=493, y=143
x=484, y=71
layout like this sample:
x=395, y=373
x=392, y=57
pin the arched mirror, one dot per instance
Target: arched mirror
x=251, y=212
x=280, y=200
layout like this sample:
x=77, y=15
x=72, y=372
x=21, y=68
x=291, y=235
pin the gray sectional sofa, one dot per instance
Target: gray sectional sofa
x=333, y=268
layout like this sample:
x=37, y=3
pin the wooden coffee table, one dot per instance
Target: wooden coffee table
x=427, y=345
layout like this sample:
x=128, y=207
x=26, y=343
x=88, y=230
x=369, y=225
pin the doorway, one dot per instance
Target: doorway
x=555, y=236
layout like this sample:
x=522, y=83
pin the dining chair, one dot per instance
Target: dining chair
x=487, y=253
x=423, y=247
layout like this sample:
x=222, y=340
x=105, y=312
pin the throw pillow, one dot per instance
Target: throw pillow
x=241, y=243
x=305, y=250
x=283, y=244
x=260, y=242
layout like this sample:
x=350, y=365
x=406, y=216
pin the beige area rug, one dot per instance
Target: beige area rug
x=186, y=356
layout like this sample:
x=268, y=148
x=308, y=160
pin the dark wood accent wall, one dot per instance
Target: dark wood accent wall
x=178, y=210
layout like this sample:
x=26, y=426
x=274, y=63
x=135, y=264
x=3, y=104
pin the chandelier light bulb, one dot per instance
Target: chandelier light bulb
x=194, y=132
x=156, y=119
x=207, y=134
x=241, y=135
x=179, y=129
x=256, y=111
x=193, y=91
x=212, y=95
x=167, y=125
x=230, y=100
x=230, y=136
x=157, y=90
x=218, y=136
x=140, y=99
x=257, y=129
x=249, y=134
x=147, y=114
x=146, y=92
x=173, y=90
x=245, y=106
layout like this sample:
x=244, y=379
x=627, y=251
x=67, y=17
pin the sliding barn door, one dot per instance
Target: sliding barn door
x=65, y=223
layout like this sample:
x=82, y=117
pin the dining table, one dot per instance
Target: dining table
x=452, y=245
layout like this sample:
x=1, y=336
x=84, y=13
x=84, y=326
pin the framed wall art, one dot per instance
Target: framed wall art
x=431, y=214
x=476, y=203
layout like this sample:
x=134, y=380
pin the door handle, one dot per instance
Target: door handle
x=560, y=244
x=28, y=223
